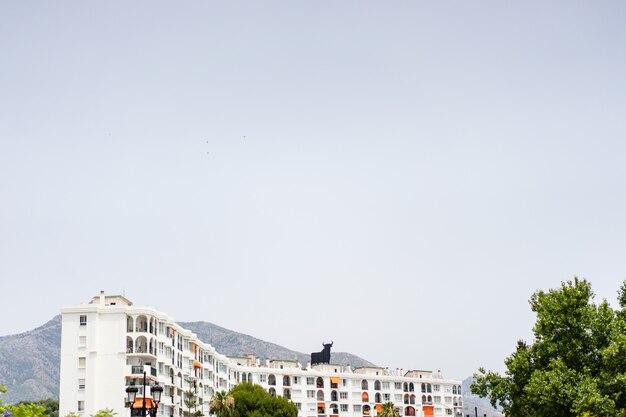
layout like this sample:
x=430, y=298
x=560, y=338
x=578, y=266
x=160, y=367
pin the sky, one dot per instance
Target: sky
x=396, y=176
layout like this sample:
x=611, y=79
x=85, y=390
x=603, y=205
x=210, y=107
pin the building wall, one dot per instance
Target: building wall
x=119, y=341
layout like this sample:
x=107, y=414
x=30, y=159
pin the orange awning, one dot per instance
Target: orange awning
x=197, y=364
x=429, y=410
x=139, y=403
x=321, y=405
x=334, y=379
x=379, y=407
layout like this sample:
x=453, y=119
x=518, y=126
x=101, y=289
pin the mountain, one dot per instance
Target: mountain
x=232, y=343
x=30, y=361
x=471, y=400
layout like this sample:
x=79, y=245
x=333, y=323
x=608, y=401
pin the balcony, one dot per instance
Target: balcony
x=138, y=370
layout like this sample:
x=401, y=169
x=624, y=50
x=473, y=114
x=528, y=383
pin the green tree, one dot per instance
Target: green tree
x=20, y=410
x=107, y=412
x=576, y=365
x=191, y=401
x=50, y=405
x=253, y=401
x=222, y=404
x=389, y=410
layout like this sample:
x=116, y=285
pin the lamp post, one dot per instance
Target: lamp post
x=156, y=390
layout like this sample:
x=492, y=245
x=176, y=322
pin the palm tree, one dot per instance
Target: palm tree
x=389, y=410
x=222, y=404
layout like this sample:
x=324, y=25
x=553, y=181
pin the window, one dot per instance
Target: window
x=82, y=341
x=262, y=378
x=310, y=381
x=83, y=320
x=299, y=406
x=386, y=397
x=82, y=361
x=296, y=380
x=398, y=385
x=81, y=406
x=344, y=407
x=343, y=395
x=356, y=408
x=385, y=384
x=81, y=384
x=436, y=388
x=437, y=399
x=310, y=393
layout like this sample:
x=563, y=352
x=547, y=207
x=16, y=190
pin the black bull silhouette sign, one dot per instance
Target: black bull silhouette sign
x=323, y=356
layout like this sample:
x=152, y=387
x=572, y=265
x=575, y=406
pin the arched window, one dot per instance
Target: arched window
x=377, y=385
x=249, y=377
x=423, y=399
x=430, y=399
x=320, y=395
x=364, y=385
x=129, y=324
x=409, y=411
x=334, y=409
x=366, y=410
x=429, y=388
x=333, y=396
x=405, y=386
x=141, y=324
x=406, y=398
x=271, y=380
x=458, y=390
x=320, y=382
x=287, y=394
x=411, y=387
x=412, y=399
x=365, y=397
x=129, y=344
x=141, y=345
x=272, y=391
x=243, y=377
x=286, y=381
x=454, y=389
x=377, y=398
x=460, y=401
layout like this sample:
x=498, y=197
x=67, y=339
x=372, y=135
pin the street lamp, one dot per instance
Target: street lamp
x=156, y=390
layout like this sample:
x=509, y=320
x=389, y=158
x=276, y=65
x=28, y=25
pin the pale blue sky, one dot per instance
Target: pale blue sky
x=411, y=171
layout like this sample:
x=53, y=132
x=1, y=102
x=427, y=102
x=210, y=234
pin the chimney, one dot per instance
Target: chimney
x=101, y=297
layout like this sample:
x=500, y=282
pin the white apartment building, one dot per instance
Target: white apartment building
x=107, y=344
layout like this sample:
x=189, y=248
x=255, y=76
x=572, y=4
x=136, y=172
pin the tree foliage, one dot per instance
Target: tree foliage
x=20, y=410
x=51, y=406
x=222, y=404
x=191, y=402
x=250, y=400
x=389, y=410
x=576, y=365
x=107, y=412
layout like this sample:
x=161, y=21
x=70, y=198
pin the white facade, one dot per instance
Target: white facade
x=106, y=346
